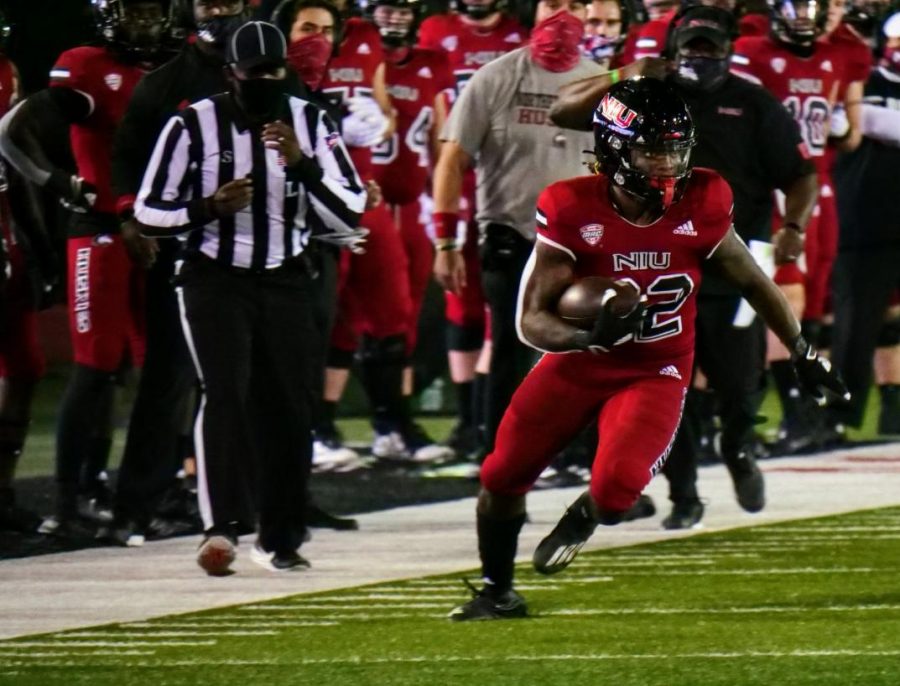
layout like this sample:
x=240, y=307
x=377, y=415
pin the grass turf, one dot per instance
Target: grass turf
x=808, y=602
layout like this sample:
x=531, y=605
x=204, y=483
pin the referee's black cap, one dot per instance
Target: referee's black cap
x=256, y=43
x=712, y=23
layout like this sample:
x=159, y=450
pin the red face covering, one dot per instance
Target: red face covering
x=555, y=41
x=309, y=56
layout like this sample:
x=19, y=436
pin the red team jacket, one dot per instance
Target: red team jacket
x=108, y=84
x=402, y=162
x=662, y=260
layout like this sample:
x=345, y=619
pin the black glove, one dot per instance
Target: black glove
x=611, y=330
x=75, y=194
x=815, y=372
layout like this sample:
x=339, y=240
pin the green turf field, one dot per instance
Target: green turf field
x=805, y=602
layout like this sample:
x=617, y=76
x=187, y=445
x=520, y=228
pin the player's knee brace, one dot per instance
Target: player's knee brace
x=889, y=334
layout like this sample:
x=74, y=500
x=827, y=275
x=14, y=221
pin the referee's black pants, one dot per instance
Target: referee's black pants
x=734, y=361
x=863, y=281
x=252, y=337
x=504, y=253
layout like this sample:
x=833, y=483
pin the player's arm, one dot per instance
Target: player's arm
x=574, y=107
x=379, y=92
x=449, y=267
x=733, y=261
x=16, y=84
x=849, y=138
x=440, y=118
x=537, y=323
x=23, y=130
x=800, y=197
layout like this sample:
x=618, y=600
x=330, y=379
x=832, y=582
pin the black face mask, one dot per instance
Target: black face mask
x=703, y=74
x=218, y=30
x=261, y=99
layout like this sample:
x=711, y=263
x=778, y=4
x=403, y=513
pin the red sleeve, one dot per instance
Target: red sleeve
x=754, y=25
x=430, y=34
x=628, y=48
x=743, y=61
x=717, y=203
x=71, y=70
x=443, y=74
x=860, y=63
x=550, y=227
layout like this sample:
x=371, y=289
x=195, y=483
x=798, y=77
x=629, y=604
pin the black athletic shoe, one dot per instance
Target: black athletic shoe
x=749, y=485
x=487, y=604
x=317, y=518
x=557, y=551
x=643, y=507
x=15, y=518
x=464, y=440
x=686, y=514
x=283, y=561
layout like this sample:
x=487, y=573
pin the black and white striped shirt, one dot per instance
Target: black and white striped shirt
x=209, y=144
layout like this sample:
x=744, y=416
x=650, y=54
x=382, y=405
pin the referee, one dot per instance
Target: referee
x=237, y=175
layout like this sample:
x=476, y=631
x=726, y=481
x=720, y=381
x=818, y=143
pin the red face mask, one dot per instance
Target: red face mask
x=309, y=56
x=892, y=59
x=555, y=42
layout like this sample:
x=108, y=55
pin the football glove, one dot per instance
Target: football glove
x=840, y=124
x=611, y=330
x=365, y=125
x=75, y=194
x=815, y=373
x=354, y=241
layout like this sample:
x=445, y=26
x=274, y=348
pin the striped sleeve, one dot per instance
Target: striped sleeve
x=160, y=203
x=337, y=196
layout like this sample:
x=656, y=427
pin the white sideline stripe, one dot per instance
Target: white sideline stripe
x=651, y=563
x=248, y=623
x=163, y=634
x=462, y=591
x=80, y=653
x=720, y=611
x=826, y=529
x=349, y=606
x=771, y=538
x=757, y=572
x=423, y=659
x=98, y=644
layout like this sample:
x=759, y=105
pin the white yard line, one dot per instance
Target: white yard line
x=112, y=585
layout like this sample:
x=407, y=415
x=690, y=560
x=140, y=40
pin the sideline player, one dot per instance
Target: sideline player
x=649, y=221
x=477, y=33
x=90, y=87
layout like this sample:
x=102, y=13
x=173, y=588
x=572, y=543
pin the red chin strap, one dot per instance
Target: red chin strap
x=665, y=184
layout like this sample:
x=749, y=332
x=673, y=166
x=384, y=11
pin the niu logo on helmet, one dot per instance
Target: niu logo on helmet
x=617, y=112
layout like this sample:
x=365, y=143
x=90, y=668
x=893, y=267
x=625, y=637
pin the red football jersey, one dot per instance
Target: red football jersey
x=7, y=84
x=470, y=47
x=351, y=73
x=650, y=38
x=107, y=83
x=855, y=56
x=402, y=162
x=662, y=260
x=807, y=86
x=754, y=24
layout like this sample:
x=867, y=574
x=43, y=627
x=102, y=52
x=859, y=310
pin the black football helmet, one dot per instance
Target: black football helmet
x=480, y=10
x=394, y=34
x=5, y=29
x=135, y=35
x=643, y=136
x=798, y=22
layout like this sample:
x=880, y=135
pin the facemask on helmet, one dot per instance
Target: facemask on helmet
x=134, y=27
x=479, y=9
x=643, y=136
x=397, y=20
x=797, y=23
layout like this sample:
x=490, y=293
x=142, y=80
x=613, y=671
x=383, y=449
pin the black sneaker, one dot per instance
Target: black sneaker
x=749, y=485
x=281, y=561
x=643, y=507
x=686, y=514
x=15, y=518
x=557, y=551
x=464, y=439
x=488, y=604
x=317, y=518
x=127, y=534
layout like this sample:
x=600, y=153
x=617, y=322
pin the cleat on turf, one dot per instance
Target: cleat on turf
x=749, y=485
x=488, y=604
x=557, y=550
x=686, y=514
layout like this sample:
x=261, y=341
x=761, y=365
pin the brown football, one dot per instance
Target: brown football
x=583, y=300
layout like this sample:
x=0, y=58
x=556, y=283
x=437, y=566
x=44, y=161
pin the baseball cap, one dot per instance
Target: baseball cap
x=712, y=23
x=256, y=43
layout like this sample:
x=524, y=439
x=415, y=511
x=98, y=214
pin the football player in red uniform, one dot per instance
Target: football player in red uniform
x=475, y=34
x=25, y=252
x=805, y=73
x=649, y=222
x=90, y=89
x=418, y=83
